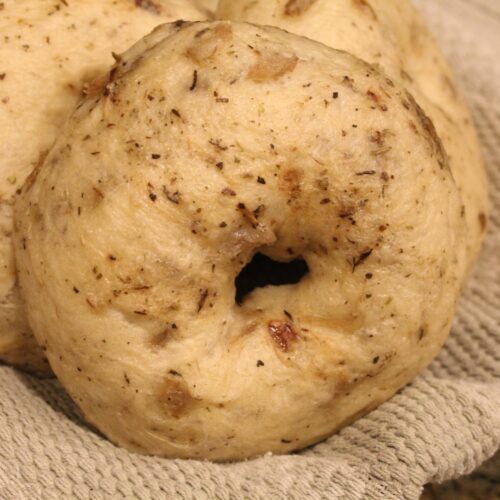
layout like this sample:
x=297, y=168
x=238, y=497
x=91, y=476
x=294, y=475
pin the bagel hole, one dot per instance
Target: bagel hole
x=263, y=271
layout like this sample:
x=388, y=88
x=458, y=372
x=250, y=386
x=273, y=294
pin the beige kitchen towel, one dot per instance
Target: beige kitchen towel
x=482, y=484
x=445, y=424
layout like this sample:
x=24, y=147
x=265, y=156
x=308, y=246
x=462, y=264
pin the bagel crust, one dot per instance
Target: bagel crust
x=211, y=142
x=392, y=35
x=51, y=51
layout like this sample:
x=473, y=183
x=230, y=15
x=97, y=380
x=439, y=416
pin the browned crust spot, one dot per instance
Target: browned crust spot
x=298, y=7
x=161, y=339
x=175, y=398
x=421, y=333
x=282, y=333
x=483, y=221
x=202, y=299
x=291, y=183
x=377, y=99
x=271, y=66
x=365, y=7
x=379, y=137
x=149, y=6
x=207, y=42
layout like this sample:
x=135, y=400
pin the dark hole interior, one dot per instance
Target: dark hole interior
x=262, y=271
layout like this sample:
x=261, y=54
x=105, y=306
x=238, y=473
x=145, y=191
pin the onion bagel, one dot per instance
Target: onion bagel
x=208, y=6
x=50, y=52
x=210, y=143
x=392, y=34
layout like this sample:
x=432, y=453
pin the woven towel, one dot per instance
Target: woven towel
x=445, y=424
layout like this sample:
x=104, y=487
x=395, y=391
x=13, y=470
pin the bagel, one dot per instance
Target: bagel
x=231, y=140
x=392, y=34
x=50, y=52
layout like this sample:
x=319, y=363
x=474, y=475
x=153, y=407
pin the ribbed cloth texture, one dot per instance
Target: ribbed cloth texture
x=443, y=425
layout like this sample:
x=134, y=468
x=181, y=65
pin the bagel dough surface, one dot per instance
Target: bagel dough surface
x=208, y=6
x=51, y=51
x=209, y=143
x=393, y=35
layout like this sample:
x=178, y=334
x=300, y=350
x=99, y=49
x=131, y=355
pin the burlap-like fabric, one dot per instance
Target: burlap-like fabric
x=445, y=424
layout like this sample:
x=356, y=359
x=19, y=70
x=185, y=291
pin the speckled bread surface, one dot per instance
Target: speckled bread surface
x=392, y=35
x=50, y=53
x=208, y=143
